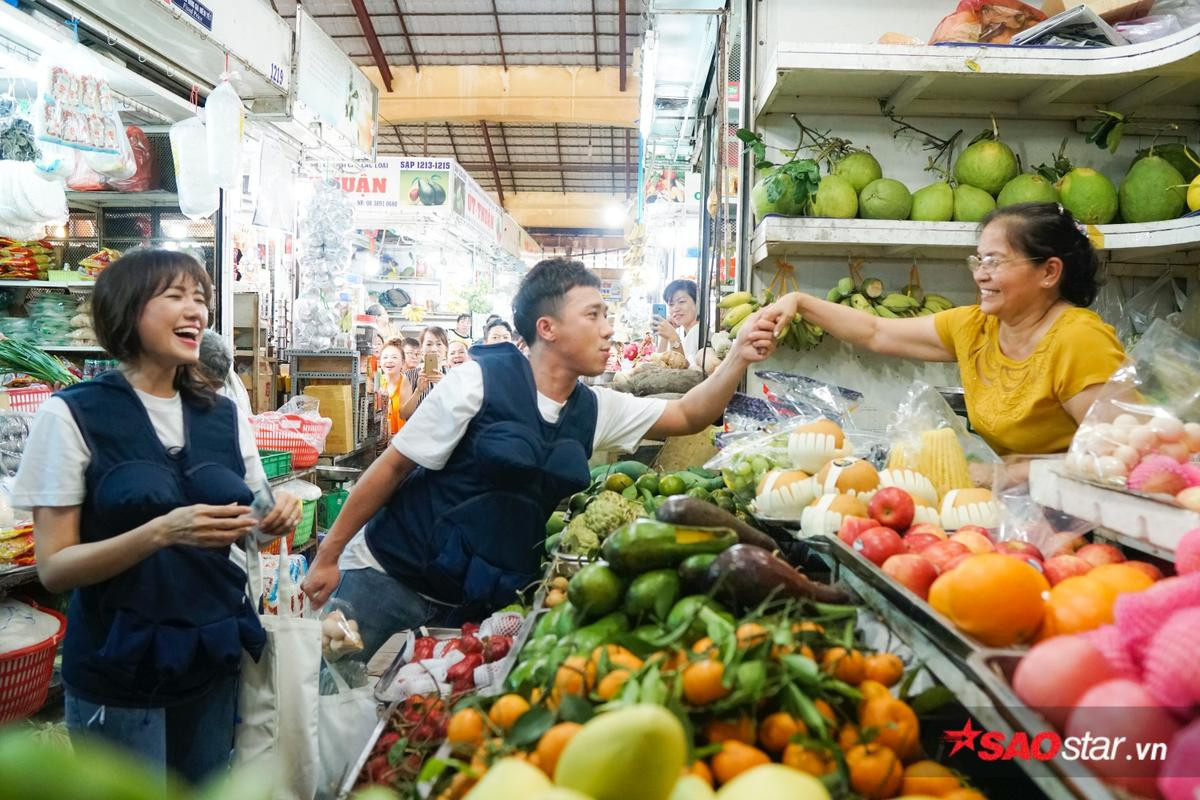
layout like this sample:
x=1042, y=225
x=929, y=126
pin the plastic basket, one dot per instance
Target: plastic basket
x=304, y=530
x=292, y=433
x=273, y=547
x=25, y=674
x=275, y=463
x=29, y=399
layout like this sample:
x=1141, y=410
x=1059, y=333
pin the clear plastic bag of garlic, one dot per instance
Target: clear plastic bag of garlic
x=339, y=631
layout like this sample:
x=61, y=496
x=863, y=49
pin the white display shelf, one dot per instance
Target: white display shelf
x=1159, y=79
x=1177, y=240
x=19, y=284
x=71, y=348
x=122, y=199
x=1140, y=523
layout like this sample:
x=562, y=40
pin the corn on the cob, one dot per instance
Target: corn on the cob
x=942, y=461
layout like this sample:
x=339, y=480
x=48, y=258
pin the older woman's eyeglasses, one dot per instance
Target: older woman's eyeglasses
x=990, y=264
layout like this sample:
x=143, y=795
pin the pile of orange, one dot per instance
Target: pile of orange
x=995, y=598
x=1085, y=602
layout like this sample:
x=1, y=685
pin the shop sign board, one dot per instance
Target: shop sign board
x=331, y=89
x=474, y=206
x=199, y=12
x=529, y=245
x=510, y=235
x=390, y=190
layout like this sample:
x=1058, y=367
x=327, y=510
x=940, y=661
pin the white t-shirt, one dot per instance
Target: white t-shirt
x=691, y=341
x=56, y=457
x=621, y=422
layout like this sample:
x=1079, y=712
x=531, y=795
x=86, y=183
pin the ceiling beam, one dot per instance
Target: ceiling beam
x=627, y=165
x=612, y=150
x=499, y=37
x=441, y=14
x=399, y=139
x=412, y=51
x=507, y=155
x=487, y=140
x=558, y=147
x=596, y=35
x=364, y=22
x=453, y=145
x=621, y=41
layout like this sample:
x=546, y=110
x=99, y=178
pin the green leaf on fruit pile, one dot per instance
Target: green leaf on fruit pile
x=931, y=699
x=573, y=708
x=530, y=726
x=435, y=766
x=396, y=752
x=986, y=135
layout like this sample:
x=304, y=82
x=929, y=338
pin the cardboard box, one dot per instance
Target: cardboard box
x=1108, y=10
x=336, y=404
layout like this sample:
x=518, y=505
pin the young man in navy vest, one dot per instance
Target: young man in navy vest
x=449, y=523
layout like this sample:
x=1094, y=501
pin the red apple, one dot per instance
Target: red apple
x=853, y=526
x=1145, y=566
x=916, y=542
x=878, y=544
x=892, y=507
x=1015, y=547
x=942, y=553
x=953, y=563
x=928, y=527
x=1061, y=567
x=984, y=532
x=1062, y=543
x=974, y=541
x=1098, y=554
x=912, y=572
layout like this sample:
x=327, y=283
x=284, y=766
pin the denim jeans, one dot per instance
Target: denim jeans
x=383, y=605
x=194, y=739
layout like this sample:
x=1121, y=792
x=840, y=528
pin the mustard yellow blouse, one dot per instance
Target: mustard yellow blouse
x=1017, y=406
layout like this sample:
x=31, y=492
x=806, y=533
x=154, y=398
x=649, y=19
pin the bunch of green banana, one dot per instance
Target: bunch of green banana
x=737, y=307
x=801, y=334
x=871, y=297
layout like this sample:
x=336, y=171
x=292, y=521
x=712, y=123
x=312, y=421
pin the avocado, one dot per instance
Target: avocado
x=644, y=545
x=595, y=590
x=652, y=593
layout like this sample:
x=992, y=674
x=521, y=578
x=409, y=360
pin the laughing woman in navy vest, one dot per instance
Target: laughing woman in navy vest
x=137, y=480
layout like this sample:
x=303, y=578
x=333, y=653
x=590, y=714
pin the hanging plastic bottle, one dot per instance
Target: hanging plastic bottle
x=198, y=193
x=224, y=119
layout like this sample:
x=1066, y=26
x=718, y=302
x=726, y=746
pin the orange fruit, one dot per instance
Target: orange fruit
x=777, y=730
x=465, y=728
x=574, y=676
x=751, y=634
x=939, y=593
x=875, y=771
x=807, y=760
x=825, y=710
x=617, y=657
x=705, y=647
x=1078, y=604
x=928, y=777
x=702, y=682
x=668, y=660
x=551, y=745
x=997, y=599
x=964, y=793
x=700, y=770
x=1121, y=577
x=849, y=736
x=735, y=758
x=886, y=668
x=807, y=627
x=845, y=665
x=611, y=684
x=507, y=709
x=895, y=724
x=871, y=689
x=722, y=730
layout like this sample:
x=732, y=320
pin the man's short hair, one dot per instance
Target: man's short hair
x=461, y=317
x=542, y=291
x=496, y=323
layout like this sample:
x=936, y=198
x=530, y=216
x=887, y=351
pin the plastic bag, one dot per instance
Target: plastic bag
x=114, y=166
x=301, y=490
x=1148, y=28
x=297, y=427
x=1110, y=305
x=199, y=195
x=27, y=203
x=989, y=21
x=224, y=121
x=1143, y=431
x=83, y=178
x=76, y=108
x=145, y=174
x=1156, y=301
x=1025, y=521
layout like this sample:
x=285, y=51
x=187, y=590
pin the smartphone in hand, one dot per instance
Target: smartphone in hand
x=431, y=364
x=659, y=310
x=263, y=503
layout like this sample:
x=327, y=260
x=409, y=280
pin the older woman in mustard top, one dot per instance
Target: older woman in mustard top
x=1031, y=354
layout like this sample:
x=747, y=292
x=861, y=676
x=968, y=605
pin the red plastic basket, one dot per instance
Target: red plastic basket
x=25, y=674
x=29, y=399
x=292, y=433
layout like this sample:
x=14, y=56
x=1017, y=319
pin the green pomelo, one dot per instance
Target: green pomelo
x=1176, y=153
x=633, y=753
x=1027, y=188
x=1089, y=195
x=1152, y=191
x=972, y=204
x=986, y=165
x=860, y=168
x=933, y=203
x=781, y=199
x=885, y=199
x=836, y=197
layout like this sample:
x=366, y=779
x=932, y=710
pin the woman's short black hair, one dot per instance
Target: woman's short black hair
x=1044, y=230
x=542, y=291
x=437, y=332
x=677, y=285
x=121, y=294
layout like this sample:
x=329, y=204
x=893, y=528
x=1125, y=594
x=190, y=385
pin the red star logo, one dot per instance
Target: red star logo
x=964, y=738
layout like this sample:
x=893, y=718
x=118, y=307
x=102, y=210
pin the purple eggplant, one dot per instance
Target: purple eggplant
x=691, y=511
x=745, y=576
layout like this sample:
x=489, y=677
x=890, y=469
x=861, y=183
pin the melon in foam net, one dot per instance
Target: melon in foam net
x=962, y=507
x=824, y=516
x=813, y=445
x=784, y=493
x=852, y=476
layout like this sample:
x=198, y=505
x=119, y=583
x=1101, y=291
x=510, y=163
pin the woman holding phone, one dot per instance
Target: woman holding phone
x=138, y=484
x=680, y=328
x=434, y=346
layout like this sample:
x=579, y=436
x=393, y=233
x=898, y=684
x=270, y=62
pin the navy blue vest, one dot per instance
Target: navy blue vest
x=163, y=630
x=472, y=534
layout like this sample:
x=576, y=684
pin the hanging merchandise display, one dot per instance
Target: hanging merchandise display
x=27, y=203
x=224, y=124
x=76, y=108
x=324, y=257
x=199, y=195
